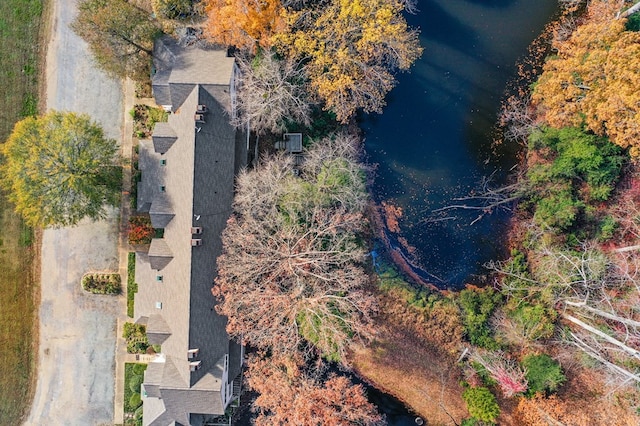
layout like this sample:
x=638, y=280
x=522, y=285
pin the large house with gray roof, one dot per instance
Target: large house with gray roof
x=186, y=187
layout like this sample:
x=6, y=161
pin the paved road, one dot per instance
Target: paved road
x=77, y=331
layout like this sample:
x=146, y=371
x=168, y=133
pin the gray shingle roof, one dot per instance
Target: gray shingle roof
x=157, y=329
x=163, y=137
x=180, y=68
x=153, y=378
x=160, y=87
x=199, y=182
x=152, y=178
x=159, y=254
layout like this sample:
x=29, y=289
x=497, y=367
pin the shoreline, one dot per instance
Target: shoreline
x=528, y=68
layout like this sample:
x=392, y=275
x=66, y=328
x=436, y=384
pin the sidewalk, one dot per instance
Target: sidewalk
x=123, y=249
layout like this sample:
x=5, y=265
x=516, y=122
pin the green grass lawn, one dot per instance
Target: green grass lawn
x=133, y=376
x=20, y=50
x=132, y=286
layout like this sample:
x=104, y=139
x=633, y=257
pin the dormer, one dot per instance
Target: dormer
x=161, y=211
x=163, y=137
x=195, y=365
x=159, y=254
x=157, y=329
x=192, y=354
x=196, y=230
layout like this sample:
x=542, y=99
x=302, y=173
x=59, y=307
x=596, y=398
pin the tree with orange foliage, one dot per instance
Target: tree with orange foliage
x=289, y=396
x=245, y=24
x=594, y=79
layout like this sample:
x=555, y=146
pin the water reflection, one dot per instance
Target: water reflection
x=434, y=141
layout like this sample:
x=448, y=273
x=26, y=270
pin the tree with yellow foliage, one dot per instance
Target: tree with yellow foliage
x=120, y=35
x=594, y=79
x=60, y=168
x=352, y=48
x=244, y=24
x=349, y=49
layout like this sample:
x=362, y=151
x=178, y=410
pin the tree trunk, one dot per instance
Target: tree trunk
x=602, y=313
x=633, y=9
x=602, y=335
x=628, y=248
x=593, y=354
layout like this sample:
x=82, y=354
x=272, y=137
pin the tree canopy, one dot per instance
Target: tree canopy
x=352, y=48
x=271, y=93
x=245, y=24
x=120, y=36
x=579, y=170
x=593, y=80
x=292, y=269
x=172, y=9
x=60, y=168
x=348, y=50
x=288, y=395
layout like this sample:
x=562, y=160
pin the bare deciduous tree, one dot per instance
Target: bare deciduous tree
x=292, y=267
x=485, y=200
x=270, y=92
x=509, y=375
x=517, y=119
x=595, y=293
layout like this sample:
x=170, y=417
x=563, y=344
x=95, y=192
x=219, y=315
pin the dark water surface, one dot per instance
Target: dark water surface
x=434, y=140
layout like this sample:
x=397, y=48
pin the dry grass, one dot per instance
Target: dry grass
x=407, y=362
x=582, y=401
x=20, y=49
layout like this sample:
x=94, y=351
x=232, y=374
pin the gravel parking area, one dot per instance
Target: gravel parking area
x=76, y=358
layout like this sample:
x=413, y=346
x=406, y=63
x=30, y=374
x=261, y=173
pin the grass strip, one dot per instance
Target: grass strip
x=132, y=286
x=133, y=377
x=21, y=51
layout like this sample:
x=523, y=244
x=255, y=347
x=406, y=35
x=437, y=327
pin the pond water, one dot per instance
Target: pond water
x=434, y=140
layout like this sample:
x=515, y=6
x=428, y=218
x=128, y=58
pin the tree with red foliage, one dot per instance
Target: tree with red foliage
x=288, y=396
x=509, y=375
x=140, y=230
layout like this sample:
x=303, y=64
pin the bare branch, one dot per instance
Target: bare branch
x=292, y=268
x=270, y=92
